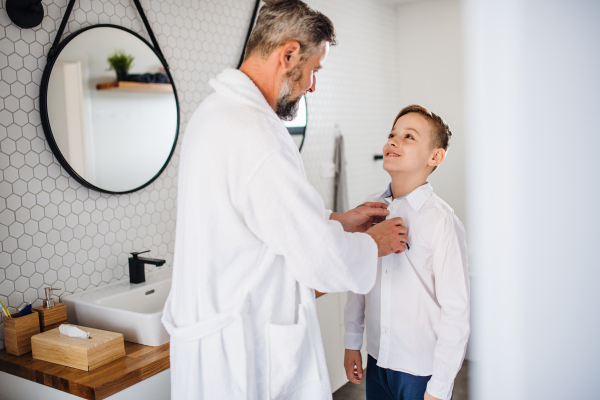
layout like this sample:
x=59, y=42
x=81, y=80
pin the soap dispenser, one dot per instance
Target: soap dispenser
x=52, y=314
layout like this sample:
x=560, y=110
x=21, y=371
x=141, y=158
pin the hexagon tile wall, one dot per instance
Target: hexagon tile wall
x=55, y=232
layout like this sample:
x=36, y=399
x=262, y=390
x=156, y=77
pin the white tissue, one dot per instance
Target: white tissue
x=73, y=331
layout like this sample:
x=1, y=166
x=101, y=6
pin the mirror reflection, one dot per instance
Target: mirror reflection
x=112, y=110
x=297, y=126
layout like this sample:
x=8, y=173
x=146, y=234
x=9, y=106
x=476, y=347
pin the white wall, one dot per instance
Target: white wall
x=430, y=73
x=533, y=187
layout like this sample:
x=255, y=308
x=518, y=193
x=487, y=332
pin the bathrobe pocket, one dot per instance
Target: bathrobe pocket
x=292, y=359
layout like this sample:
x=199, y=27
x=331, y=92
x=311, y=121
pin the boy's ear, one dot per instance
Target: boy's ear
x=437, y=157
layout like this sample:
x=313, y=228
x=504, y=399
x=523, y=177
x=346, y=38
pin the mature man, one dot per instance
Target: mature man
x=253, y=237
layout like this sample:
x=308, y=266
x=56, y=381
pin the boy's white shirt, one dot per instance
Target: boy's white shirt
x=417, y=315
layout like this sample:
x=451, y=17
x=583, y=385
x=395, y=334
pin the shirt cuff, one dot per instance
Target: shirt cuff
x=440, y=389
x=328, y=215
x=353, y=341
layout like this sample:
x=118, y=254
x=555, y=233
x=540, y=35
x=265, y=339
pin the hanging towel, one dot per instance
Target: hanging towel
x=341, y=189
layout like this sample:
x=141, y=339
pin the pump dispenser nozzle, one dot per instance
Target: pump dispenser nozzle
x=48, y=302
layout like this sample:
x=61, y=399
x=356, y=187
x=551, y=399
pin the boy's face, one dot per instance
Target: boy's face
x=409, y=147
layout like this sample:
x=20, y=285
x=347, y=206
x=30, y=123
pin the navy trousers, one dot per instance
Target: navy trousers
x=385, y=384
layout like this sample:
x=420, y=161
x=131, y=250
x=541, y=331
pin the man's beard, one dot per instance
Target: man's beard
x=287, y=106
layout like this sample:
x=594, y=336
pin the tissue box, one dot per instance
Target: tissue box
x=18, y=332
x=86, y=354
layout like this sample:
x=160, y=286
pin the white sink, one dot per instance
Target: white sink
x=134, y=310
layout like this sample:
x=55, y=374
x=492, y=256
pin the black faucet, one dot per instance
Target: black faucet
x=137, y=273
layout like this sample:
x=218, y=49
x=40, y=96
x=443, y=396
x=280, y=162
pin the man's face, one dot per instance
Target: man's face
x=299, y=80
x=408, y=148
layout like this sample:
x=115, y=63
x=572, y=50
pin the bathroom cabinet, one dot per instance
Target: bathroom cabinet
x=330, y=311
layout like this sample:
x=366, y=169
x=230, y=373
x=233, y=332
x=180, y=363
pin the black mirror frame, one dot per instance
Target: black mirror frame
x=46, y=121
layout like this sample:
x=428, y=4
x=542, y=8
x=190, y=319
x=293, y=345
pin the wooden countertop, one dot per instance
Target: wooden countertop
x=140, y=362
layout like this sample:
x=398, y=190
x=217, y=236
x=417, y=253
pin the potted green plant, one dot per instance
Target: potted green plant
x=120, y=62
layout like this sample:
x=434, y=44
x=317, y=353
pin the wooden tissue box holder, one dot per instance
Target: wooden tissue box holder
x=86, y=354
x=52, y=317
x=18, y=332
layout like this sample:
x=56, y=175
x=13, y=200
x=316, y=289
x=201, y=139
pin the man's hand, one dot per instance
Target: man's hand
x=430, y=397
x=390, y=236
x=362, y=217
x=353, y=366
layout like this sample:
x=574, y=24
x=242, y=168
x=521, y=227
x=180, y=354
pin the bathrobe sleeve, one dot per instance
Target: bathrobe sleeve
x=285, y=211
x=354, y=321
x=450, y=266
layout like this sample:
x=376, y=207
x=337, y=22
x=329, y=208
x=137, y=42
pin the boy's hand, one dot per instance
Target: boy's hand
x=430, y=397
x=361, y=218
x=353, y=365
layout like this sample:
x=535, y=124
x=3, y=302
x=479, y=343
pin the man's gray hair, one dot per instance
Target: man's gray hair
x=281, y=21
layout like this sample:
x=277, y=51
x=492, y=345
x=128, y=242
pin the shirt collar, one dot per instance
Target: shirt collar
x=416, y=198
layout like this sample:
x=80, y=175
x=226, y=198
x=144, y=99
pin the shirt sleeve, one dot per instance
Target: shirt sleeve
x=354, y=321
x=285, y=211
x=452, y=287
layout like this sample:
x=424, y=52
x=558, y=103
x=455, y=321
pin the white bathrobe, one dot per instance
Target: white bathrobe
x=253, y=241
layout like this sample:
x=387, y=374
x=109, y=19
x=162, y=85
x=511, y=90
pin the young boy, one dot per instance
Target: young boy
x=417, y=314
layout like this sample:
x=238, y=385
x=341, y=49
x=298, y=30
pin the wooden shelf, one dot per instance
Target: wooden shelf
x=150, y=87
x=140, y=362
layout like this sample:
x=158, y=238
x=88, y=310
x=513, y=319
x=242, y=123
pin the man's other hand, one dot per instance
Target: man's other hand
x=363, y=217
x=390, y=236
x=353, y=366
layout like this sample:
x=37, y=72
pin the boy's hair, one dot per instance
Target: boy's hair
x=441, y=131
x=280, y=21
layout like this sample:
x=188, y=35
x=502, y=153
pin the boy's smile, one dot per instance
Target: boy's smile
x=409, y=154
x=408, y=148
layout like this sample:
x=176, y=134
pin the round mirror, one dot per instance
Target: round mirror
x=109, y=109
